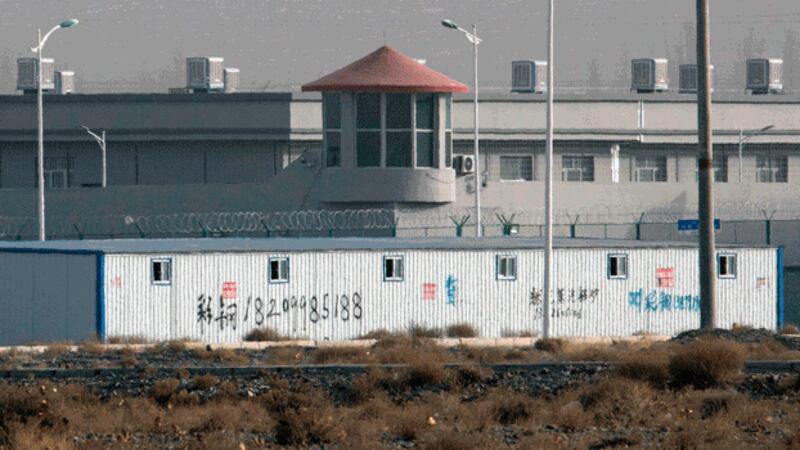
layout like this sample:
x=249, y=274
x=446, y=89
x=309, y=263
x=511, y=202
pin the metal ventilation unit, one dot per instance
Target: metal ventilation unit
x=65, y=82
x=529, y=76
x=765, y=76
x=205, y=74
x=688, y=79
x=649, y=75
x=231, y=80
x=27, y=75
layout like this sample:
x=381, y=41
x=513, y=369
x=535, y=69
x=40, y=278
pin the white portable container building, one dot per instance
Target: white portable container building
x=219, y=290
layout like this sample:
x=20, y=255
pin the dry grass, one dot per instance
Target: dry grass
x=264, y=335
x=127, y=340
x=225, y=355
x=790, y=329
x=461, y=330
x=549, y=345
x=707, y=362
x=613, y=411
x=339, y=355
x=520, y=334
x=649, y=366
x=206, y=381
x=421, y=331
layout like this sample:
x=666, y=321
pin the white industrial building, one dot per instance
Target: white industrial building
x=219, y=290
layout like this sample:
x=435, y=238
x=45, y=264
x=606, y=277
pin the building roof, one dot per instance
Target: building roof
x=386, y=70
x=243, y=245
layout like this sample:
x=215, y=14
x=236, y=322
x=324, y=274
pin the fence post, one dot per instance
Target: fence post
x=572, y=226
x=768, y=225
x=769, y=232
x=639, y=227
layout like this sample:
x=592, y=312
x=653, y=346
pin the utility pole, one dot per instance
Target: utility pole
x=707, y=247
x=548, y=183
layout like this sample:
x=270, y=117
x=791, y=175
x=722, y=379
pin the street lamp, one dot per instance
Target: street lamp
x=38, y=50
x=743, y=138
x=475, y=40
x=101, y=141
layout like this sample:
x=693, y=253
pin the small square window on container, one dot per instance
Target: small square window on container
x=278, y=270
x=726, y=266
x=393, y=268
x=161, y=271
x=617, y=266
x=506, y=267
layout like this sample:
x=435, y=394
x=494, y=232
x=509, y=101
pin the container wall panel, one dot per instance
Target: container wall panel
x=221, y=297
x=47, y=297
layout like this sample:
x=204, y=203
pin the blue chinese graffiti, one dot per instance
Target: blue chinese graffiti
x=451, y=285
x=655, y=301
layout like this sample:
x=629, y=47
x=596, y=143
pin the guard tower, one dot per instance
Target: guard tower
x=387, y=121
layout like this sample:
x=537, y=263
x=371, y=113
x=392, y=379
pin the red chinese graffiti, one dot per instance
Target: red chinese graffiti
x=429, y=291
x=665, y=277
x=229, y=289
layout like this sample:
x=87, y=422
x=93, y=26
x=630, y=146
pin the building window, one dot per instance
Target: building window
x=332, y=110
x=516, y=168
x=425, y=121
x=726, y=266
x=577, y=168
x=278, y=270
x=649, y=168
x=57, y=171
x=720, y=169
x=448, y=135
x=506, y=267
x=396, y=130
x=772, y=169
x=368, y=130
x=392, y=268
x=618, y=266
x=161, y=271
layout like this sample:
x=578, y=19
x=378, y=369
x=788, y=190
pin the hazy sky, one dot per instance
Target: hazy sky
x=139, y=45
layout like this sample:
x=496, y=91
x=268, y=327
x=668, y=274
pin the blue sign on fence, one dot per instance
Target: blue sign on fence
x=693, y=224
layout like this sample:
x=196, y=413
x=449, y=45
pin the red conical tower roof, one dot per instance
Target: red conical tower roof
x=386, y=70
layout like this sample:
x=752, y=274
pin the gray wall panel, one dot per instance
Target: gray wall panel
x=47, y=297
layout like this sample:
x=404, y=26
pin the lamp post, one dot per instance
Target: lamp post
x=743, y=138
x=475, y=40
x=40, y=155
x=101, y=141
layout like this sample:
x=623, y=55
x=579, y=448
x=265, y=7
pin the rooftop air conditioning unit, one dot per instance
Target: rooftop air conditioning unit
x=27, y=75
x=65, y=82
x=231, y=80
x=529, y=76
x=649, y=75
x=205, y=74
x=688, y=79
x=765, y=76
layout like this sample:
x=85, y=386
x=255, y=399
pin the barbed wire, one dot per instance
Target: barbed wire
x=243, y=223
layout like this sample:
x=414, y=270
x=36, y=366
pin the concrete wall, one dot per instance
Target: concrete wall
x=47, y=297
x=342, y=295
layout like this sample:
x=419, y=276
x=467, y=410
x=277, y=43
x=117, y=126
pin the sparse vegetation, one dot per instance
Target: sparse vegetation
x=681, y=394
x=227, y=355
x=790, y=329
x=549, y=345
x=264, y=335
x=420, y=331
x=707, y=362
x=461, y=330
